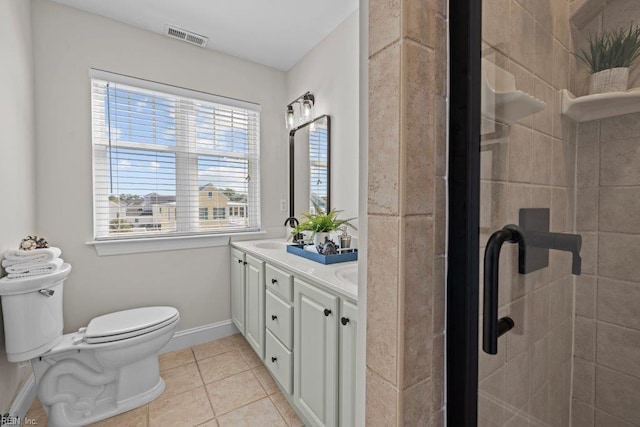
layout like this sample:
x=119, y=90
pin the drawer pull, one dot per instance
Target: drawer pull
x=274, y=281
x=240, y=261
x=274, y=359
x=274, y=317
x=327, y=312
x=245, y=263
x=344, y=321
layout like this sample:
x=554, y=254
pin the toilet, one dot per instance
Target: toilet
x=104, y=369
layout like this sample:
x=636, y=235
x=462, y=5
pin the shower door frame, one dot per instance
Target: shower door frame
x=465, y=42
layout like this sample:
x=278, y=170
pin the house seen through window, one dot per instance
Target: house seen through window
x=172, y=161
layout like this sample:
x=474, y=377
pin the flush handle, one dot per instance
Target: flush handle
x=47, y=292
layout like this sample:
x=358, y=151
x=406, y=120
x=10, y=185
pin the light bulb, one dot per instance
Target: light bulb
x=290, y=117
x=306, y=109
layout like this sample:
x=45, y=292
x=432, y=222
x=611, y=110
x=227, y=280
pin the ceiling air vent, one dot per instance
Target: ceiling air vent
x=187, y=36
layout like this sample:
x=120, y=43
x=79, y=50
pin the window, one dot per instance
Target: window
x=156, y=147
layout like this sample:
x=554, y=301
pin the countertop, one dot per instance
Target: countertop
x=328, y=276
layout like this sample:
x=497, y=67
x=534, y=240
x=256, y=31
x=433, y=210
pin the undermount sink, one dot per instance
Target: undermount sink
x=348, y=273
x=270, y=245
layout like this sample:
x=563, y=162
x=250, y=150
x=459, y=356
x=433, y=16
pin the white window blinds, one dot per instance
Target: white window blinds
x=169, y=161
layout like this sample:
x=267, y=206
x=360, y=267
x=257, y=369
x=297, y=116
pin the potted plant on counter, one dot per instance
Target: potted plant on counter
x=609, y=57
x=321, y=224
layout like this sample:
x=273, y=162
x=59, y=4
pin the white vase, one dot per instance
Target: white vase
x=611, y=80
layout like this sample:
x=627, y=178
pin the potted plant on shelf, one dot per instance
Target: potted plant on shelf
x=321, y=224
x=609, y=57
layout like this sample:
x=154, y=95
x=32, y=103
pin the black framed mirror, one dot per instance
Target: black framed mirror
x=310, y=166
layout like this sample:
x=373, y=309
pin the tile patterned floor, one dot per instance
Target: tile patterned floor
x=220, y=383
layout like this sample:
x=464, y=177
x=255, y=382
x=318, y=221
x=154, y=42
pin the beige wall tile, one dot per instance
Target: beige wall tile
x=560, y=199
x=417, y=263
x=585, y=338
x=618, y=394
x=440, y=218
x=563, y=161
x=618, y=14
x=584, y=378
x=620, y=127
x=384, y=24
x=491, y=399
x=543, y=13
x=382, y=296
x=417, y=129
x=438, y=371
x=440, y=135
x=620, y=163
x=543, y=51
x=588, y=166
x=382, y=402
x=560, y=62
x=618, y=256
x=561, y=16
x=619, y=209
x=618, y=348
x=517, y=381
x=495, y=28
x=587, y=209
x=439, y=295
x=522, y=28
x=543, y=121
x=520, y=154
x=518, y=338
x=384, y=131
x=541, y=159
x=618, y=302
x=586, y=296
x=539, y=313
x=416, y=404
x=538, y=364
x=589, y=252
x=582, y=415
x=588, y=133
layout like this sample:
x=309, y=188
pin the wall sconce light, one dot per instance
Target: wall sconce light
x=307, y=100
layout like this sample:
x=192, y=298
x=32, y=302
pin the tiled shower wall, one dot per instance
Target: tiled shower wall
x=529, y=165
x=406, y=213
x=606, y=387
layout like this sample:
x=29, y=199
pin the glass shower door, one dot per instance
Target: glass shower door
x=529, y=249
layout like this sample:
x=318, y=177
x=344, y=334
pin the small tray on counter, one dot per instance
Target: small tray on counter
x=299, y=250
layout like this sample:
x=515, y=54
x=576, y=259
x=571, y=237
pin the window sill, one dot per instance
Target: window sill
x=158, y=244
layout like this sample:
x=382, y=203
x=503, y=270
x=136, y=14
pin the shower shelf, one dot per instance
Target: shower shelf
x=601, y=105
x=501, y=101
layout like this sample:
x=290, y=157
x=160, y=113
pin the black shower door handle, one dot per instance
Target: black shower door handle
x=492, y=326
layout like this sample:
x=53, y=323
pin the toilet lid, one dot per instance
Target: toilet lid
x=129, y=323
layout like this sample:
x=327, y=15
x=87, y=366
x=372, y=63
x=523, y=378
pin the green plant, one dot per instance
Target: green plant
x=612, y=49
x=320, y=222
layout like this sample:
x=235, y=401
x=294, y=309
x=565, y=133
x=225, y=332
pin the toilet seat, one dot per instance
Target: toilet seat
x=128, y=324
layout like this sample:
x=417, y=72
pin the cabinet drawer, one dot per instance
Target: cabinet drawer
x=278, y=318
x=280, y=282
x=278, y=360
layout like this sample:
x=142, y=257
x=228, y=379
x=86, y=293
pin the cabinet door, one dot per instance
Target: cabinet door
x=237, y=289
x=315, y=354
x=348, y=339
x=254, y=308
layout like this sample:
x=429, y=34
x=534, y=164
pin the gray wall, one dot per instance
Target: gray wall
x=67, y=42
x=17, y=215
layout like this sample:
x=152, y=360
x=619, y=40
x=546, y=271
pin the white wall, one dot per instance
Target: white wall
x=67, y=42
x=16, y=155
x=330, y=72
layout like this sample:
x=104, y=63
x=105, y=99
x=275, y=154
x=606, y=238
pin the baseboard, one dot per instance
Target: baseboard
x=24, y=399
x=199, y=335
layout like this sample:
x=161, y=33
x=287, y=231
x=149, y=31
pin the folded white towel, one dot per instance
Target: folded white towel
x=13, y=257
x=34, y=269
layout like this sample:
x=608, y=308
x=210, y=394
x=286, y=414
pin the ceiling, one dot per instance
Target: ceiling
x=276, y=33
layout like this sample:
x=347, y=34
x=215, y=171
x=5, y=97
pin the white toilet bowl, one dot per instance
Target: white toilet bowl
x=107, y=368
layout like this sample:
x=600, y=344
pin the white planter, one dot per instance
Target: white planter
x=612, y=80
x=318, y=239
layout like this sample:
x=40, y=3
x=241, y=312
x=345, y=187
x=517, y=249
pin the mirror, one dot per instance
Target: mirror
x=309, y=167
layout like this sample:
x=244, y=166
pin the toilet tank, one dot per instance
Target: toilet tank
x=32, y=313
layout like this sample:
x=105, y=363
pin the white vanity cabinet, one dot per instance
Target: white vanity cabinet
x=254, y=304
x=237, y=289
x=304, y=331
x=316, y=353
